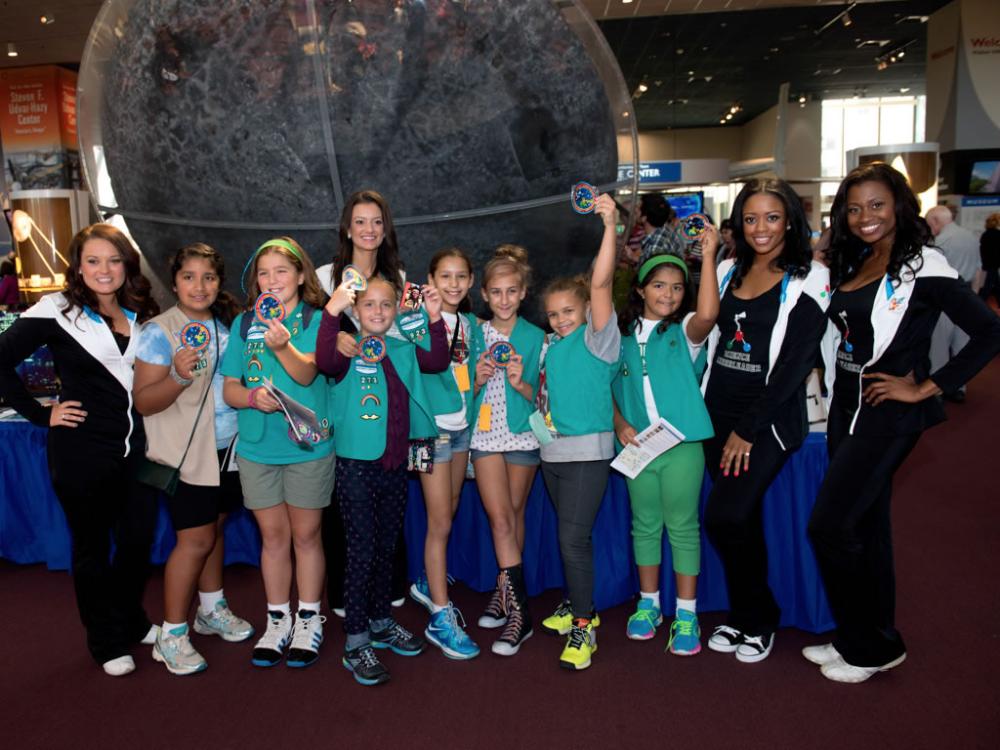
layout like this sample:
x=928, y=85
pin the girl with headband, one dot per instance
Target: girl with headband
x=663, y=338
x=178, y=390
x=286, y=472
x=771, y=320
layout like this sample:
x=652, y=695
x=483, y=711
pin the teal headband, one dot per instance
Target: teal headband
x=659, y=260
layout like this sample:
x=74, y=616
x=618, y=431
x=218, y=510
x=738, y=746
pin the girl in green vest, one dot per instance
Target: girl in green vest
x=450, y=393
x=662, y=341
x=504, y=449
x=286, y=481
x=577, y=434
x=178, y=390
x=380, y=404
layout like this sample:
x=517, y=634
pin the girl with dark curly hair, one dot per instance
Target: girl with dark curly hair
x=95, y=435
x=891, y=287
x=771, y=320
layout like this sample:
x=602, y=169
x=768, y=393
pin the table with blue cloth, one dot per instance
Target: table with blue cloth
x=33, y=530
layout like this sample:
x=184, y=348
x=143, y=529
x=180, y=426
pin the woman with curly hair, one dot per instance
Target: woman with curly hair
x=95, y=436
x=771, y=320
x=890, y=289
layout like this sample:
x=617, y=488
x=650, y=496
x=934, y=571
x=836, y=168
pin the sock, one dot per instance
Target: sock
x=174, y=628
x=435, y=608
x=285, y=608
x=654, y=597
x=356, y=640
x=378, y=626
x=208, y=599
x=688, y=604
x=311, y=606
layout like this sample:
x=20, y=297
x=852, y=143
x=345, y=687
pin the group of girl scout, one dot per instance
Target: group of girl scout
x=429, y=386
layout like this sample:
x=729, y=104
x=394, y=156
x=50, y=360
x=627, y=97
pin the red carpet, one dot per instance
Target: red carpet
x=947, y=530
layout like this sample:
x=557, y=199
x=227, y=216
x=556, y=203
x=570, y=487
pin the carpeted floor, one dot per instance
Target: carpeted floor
x=947, y=532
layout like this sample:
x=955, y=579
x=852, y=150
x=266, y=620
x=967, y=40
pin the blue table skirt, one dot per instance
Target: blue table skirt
x=33, y=529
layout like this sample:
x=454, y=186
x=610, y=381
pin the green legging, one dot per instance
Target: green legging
x=666, y=493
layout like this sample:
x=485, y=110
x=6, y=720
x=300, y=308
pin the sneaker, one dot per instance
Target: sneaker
x=397, y=603
x=725, y=639
x=365, y=666
x=120, y=666
x=420, y=592
x=560, y=622
x=445, y=632
x=174, y=650
x=685, y=634
x=643, y=623
x=493, y=616
x=821, y=655
x=272, y=644
x=840, y=671
x=754, y=648
x=399, y=639
x=151, y=635
x=223, y=623
x=515, y=632
x=340, y=612
x=307, y=635
x=580, y=646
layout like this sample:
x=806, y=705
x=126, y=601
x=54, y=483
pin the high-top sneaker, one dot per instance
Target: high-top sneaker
x=514, y=601
x=494, y=616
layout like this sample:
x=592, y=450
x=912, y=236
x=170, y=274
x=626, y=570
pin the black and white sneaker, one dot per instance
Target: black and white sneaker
x=493, y=616
x=271, y=646
x=307, y=635
x=755, y=648
x=725, y=639
x=365, y=666
x=515, y=632
x=399, y=639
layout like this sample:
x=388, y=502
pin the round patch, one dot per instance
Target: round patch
x=372, y=349
x=195, y=336
x=584, y=197
x=354, y=279
x=269, y=307
x=501, y=353
x=695, y=225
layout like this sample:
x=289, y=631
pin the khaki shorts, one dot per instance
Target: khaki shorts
x=305, y=485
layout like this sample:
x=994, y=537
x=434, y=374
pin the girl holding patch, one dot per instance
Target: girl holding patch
x=380, y=404
x=286, y=474
x=504, y=449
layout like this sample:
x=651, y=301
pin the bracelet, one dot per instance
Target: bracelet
x=185, y=382
x=251, y=401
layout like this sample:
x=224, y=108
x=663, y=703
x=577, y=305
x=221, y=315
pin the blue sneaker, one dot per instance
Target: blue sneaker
x=445, y=632
x=643, y=623
x=420, y=592
x=685, y=634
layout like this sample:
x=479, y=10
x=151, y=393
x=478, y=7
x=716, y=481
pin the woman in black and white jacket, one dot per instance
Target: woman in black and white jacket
x=890, y=290
x=95, y=435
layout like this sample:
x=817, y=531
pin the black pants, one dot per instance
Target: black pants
x=576, y=489
x=851, y=533
x=734, y=521
x=372, y=502
x=102, y=502
x=991, y=286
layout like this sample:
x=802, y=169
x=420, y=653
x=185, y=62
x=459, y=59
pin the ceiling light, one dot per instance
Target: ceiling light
x=722, y=121
x=881, y=65
x=846, y=19
x=680, y=51
x=643, y=88
x=901, y=53
x=708, y=79
x=11, y=49
x=734, y=109
x=691, y=79
x=729, y=115
x=802, y=99
x=904, y=89
x=626, y=2
x=47, y=19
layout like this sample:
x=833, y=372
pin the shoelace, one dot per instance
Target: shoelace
x=515, y=624
x=684, y=627
x=454, y=616
x=754, y=640
x=367, y=657
x=274, y=634
x=305, y=628
x=563, y=609
x=577, y=637
x=726, y=630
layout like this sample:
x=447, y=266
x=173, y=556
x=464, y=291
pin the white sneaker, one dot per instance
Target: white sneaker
x=177, y=654
x=340, y=612
x=725, y=639
x=119, y=667
x=151, y=635
x=754, y=648
x=223, y=623
x=840, y=671
x=307, y=636
x=821, y=655
x=271, y=645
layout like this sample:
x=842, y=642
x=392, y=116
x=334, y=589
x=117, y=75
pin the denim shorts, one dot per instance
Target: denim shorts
x=449, y=442
x=518, y=458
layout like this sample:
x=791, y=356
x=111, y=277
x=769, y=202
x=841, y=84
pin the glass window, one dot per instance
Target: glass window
x=855, y=123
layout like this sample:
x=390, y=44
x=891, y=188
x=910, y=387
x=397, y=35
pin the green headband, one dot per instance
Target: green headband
x=278, y=242
x=659, y=260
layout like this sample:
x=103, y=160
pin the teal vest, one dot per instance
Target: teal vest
x=442, y=390
x=361, y=403
x=579, y=386
x=673, y=378
x=527, y=340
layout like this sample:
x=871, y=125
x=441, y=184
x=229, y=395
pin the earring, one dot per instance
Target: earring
x=788, y=228
x=348, y=235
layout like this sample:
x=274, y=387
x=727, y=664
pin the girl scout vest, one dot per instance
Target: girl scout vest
x=527, y=340
x=442, y=388
x=579, y=386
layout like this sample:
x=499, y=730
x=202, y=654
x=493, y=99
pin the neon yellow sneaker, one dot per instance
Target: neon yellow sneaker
x=580, y=646
x=560, y=622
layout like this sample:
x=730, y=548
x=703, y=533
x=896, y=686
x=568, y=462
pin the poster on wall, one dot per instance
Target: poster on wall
x=38, y=126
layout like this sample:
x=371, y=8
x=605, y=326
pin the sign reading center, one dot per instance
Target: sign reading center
x=652, y=172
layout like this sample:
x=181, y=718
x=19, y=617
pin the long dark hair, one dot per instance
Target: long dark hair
x=134, y=294
x=465, y=306
x=847, y=252
x=636, y=305
x=796, y=255
x=225, y=307
x=387, y=262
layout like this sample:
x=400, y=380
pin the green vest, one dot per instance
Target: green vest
x=527, y=340
x=442, y=390
x=361, y=403
x=673, y=378
x=579, y=386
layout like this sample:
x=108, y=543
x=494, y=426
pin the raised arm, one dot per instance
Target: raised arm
x=602, y=276
x=703, y=321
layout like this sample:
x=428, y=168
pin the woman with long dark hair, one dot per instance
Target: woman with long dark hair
x=771, y=320
x=890, y=288
x=95, y=435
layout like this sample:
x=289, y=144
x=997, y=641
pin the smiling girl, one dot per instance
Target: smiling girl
x=286, y=481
